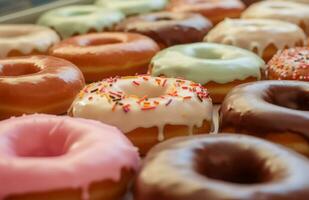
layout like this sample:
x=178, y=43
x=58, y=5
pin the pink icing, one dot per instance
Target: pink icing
x=41, y=153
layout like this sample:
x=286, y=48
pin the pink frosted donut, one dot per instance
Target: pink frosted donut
x=56, y=157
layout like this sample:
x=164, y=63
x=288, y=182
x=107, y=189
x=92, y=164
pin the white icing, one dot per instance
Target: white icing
x=133, y=7
x=281, y=10
x=191, y=112
x=256, y=34
x=71, y=20
x=205, y=62
x=25, y=39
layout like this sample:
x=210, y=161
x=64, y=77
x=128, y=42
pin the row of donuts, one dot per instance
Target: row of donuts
x=151, y=109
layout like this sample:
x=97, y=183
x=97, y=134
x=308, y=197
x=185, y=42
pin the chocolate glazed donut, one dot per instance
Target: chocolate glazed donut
x=274, y=110
x=167, y=28
x=222, y=167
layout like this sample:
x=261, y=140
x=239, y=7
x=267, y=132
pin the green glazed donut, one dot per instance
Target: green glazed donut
x=72, y=20
x=205, y=62
x=133, y=7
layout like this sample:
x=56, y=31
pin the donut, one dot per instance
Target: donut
x=274, y=110
x=257, y=35
x=168, y=28
x=147, y=109
x=103, y=55
x=214, y=10
x=222, y=167
x=77, y=20
x=56, y=157
x=133, y=7
x=217, y=67
x=290, y=64
x=37, y=84
x=298, y=1
x=293, y=12
x=26, y=39
x=249, y=2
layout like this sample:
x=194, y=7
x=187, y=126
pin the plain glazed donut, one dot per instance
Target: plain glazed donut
x=147, y=109
x=274, y=110
x=168, y=28
x=222, y=167
x=217, y=67
x=22, y=40
x=103, y=55
x=258, y=35
x=78, y=20
x=290, y=64
x=293, y=12
x=214, y=10
x=49, y=157
x=37, y=84
x=133, y=7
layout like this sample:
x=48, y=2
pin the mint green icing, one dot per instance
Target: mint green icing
x=133, y=7
x=71, y=20
x=205, y=62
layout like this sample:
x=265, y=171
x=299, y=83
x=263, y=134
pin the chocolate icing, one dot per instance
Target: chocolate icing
x=168, y=28
x=267, y=106
x=222, y=167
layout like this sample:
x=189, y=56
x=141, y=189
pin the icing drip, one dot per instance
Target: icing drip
x=25, y=39
x=293, y=12
x=256, y=34
x=71, y=20
x=144, y=102
x=205, y=62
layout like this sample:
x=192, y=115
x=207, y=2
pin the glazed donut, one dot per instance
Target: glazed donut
x=217, y=67
x=22, y=40
x=214, y=10
x=62, y=158
x=168, y=28
x=290, y=64
x=37, y=84
x=293, y=12
x=103, y=55
x=274, y=110
x=147, y=109
x=222, y=167
x=133, y=7
x=77, y=20
x=258, y=35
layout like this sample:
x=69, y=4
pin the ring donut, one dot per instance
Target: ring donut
x=25, y=40
x=274, y=110
x=222, y=167
x=217, y=67
x=290, y=64
x=147, y=109
x=168, y=28
x=37, y=84
x=61, y=158
x=103, y=55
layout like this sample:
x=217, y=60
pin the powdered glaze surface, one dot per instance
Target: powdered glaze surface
x=41, y=153
x=25, y=39
x=71, y=20
x=256, y=34
x=133, y=102
x=205, y=62
x=296, y=13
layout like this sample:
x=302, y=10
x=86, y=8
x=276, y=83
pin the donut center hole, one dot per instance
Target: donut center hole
x=163, y=18
x=78, y=13
x=144, y=89
x=99, y=41
x=202, y=53
x=18, y=69
x=232, y=164
x=290, y=98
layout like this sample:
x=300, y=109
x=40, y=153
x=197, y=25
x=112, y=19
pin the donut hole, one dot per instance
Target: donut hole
x=18, y=69
x=163, y=18
x=144, y=89
x=292, y=98
x=230, y=163
x=203, y=53
x=77, y=13
x=99, y=41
